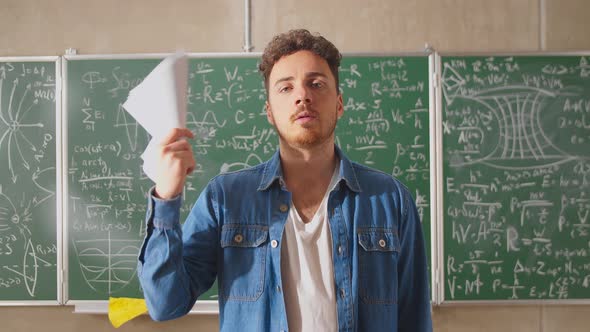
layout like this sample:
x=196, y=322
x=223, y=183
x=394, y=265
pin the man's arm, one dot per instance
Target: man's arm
x=177, y=265
x=174, y=269
x=414, y=292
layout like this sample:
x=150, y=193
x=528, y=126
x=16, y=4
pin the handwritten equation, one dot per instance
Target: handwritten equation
x=516, y=155
x=28, y=235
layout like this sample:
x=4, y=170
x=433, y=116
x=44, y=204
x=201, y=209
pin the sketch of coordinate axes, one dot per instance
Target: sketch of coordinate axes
x=107, y=265
x=521, y=143
x=13, y=138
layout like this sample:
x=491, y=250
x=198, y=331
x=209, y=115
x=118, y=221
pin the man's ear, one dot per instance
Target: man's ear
x=340, y=106
x=269, y=117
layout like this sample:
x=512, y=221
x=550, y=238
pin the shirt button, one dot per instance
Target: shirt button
x=283, y=208
x=279, y=289
x=274, y=243
x=340, y=250
x=382, y=243
x=238, y=238
x=342, y=293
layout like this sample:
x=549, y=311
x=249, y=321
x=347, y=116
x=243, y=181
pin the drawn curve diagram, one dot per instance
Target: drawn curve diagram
x=251, y=160
x=108, y=265
x=13, y=138
x=515, y=110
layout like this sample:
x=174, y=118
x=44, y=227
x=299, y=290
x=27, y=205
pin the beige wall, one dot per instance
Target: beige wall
x=44, y=27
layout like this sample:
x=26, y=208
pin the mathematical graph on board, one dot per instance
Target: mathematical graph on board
x=14, y=137
x=107, y=265
x=252, y=160
x=45, y=190
x=13, y=226
x=204, y=129
x=516, y=110
x=132, y=128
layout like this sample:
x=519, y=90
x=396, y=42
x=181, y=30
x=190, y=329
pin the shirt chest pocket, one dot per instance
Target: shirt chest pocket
x=378, y=256
x=244, y=257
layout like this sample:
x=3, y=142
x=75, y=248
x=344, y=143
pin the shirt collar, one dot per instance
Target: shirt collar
x=274, y=172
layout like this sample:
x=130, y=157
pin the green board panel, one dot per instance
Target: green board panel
x=516, y=164
x=28, y=219
x=385, y=125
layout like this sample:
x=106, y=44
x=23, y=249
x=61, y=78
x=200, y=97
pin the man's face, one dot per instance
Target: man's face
x=303, y=104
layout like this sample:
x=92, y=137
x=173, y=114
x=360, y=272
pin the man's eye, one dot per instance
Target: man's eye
x=284, y=89
x=317, y=84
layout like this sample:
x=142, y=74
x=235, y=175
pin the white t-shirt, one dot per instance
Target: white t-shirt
x=307, y=269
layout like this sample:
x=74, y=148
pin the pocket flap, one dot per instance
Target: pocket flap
x=246, y=236
x=372, y=239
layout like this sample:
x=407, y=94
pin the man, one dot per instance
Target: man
x=307, y=241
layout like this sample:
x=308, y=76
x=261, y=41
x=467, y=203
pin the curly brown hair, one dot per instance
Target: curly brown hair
x=299, y=40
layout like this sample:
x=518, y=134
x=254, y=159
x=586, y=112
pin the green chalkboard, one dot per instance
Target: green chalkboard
x=385, y=125
x=28, y=218
x=516, y=184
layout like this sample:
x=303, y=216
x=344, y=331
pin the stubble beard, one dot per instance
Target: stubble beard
x=309, y=138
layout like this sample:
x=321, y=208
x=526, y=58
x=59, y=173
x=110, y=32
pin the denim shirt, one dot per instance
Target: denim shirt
x=234, y=233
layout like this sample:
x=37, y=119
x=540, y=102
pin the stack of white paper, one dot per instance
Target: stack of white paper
x=158, y=104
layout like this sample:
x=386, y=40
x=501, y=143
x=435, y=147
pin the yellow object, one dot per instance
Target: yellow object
x=124, y=309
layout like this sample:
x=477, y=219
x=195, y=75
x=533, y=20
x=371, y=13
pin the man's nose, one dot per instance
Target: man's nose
x=302, y=96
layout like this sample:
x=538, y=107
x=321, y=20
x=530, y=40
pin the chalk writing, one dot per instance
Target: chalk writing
x=28, y=234
x=516, y=178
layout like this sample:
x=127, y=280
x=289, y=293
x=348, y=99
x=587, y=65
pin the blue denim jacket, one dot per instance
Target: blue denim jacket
x=379, y=258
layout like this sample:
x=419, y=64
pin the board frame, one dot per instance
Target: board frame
x=440, y=296
x=212, y=307
x=57, y=60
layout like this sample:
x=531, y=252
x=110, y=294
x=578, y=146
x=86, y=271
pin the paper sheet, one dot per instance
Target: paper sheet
x=158, y=104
